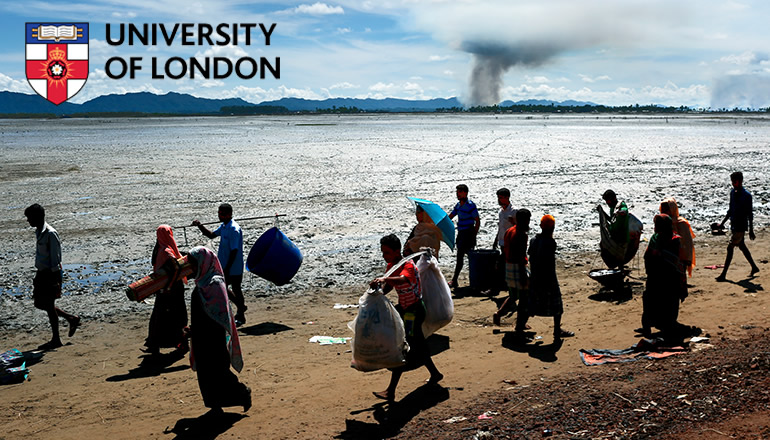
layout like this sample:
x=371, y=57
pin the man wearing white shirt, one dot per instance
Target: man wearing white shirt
x=506, y=220
x=48, y=279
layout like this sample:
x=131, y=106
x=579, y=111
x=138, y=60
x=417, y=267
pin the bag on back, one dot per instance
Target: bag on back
x=439, y=308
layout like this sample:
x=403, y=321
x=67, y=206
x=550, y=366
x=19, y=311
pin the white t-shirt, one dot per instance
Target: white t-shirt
x=503, y=222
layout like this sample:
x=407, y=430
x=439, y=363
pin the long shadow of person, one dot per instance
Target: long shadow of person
x=750, y=287
x=393, y=416
x=153, y=366
x=205, y=427
x=265, y=328
x=467, y=291
x=538, y=350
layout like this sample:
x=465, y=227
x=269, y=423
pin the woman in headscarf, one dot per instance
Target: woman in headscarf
x=545, y=297
x=666, y=280
x=169, y=313
x=215, y=343
x=684, y=230
x=424, y=234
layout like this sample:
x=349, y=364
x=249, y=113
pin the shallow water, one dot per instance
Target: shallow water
x=342, y=180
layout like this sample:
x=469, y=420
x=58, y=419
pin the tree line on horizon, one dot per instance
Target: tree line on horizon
x=515, y=108
x=253, y=110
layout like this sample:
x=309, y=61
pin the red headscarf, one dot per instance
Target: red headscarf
x=166, y=246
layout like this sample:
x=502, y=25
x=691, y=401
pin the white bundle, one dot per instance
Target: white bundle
x=379, y=339
x=439, y=308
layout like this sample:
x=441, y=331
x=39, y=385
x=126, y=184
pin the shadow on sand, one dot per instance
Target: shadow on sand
x=748, y=286
x=617, y=294
x=265, y=328
x=537, y=350
x=467, y=291
x=391, y=417
x=153, y=366
x=205, y=427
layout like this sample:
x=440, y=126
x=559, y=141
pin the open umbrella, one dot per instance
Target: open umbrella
x=440, y=219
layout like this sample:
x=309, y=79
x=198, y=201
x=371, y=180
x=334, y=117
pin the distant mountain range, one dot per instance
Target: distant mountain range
x=178, y=103
x=387, y=104
x=142, y=102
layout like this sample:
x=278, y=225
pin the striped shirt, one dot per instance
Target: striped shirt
x=466, y=215
x=409, y=292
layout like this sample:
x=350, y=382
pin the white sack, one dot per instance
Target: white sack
x=439, y=308
x=379, y=340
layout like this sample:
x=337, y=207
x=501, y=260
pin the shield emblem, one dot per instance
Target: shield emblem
x=57, y=59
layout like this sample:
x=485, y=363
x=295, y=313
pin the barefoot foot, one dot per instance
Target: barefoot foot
x=384, y=395
x=74, y=324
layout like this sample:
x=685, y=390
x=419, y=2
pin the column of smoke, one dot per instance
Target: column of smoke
x=492, y=60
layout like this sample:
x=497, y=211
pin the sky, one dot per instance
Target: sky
x=696, y=53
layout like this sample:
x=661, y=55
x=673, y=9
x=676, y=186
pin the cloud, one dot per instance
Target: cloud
x=99, y=84
x=343, y=85
x=538, y=79
x=743, y=59
x=319, y=8
x=669, y=94
x=343, y=30
x=529, y=34
x=124, y=15
x=257, y=95
x=12, y=85
x=589, y=79
x=439, y=57
x=742, y=91
x=231, y=52
x=403, y=90
x=210, y=83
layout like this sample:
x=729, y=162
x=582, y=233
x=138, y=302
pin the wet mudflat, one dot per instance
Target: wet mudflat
x=342, y=181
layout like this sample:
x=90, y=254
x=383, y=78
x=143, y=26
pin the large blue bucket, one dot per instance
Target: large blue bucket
x=483, y=272
x=274, y=257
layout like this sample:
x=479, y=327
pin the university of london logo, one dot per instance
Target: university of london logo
x=57, y=59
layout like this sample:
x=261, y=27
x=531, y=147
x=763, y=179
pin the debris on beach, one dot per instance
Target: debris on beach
x=345, y=306
x=328, y=340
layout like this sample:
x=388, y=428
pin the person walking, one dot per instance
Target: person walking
x=741, y=218
x=48, y=279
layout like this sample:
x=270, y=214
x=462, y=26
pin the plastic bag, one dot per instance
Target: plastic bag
x=379, y=340
x=439, y=308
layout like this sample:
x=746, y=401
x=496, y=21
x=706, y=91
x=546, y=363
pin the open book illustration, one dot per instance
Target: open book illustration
x=57, y=33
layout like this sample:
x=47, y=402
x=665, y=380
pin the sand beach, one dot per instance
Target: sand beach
x=107, y=184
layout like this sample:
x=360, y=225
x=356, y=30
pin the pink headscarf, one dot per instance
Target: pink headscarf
x=210, y=281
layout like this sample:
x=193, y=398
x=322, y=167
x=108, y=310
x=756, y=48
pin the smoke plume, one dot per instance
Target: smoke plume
x=492, y=60
x=741, y=91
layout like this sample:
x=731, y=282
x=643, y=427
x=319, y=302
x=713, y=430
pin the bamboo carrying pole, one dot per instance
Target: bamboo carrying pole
x=184, y=228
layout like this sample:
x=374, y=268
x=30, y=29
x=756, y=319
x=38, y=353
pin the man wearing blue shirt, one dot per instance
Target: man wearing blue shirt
x=230, y=256
x=468, y=225
x=741, y=220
